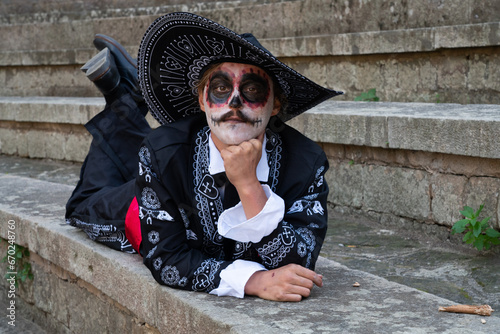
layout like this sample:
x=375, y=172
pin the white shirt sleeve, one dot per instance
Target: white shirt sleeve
x=233, y=224
x=235, y=277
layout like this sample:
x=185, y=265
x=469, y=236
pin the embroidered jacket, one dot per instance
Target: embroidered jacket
x=180, y=202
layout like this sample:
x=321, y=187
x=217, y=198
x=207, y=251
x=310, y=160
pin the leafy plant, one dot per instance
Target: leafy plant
x=478, y=233
x=17, y=259
x=369, y=96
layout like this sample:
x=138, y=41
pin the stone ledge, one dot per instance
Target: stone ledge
x=469, y=130
x=53, y=110
x=58, y=110
x=380, y=42
x=360, y=43
x=377, y=306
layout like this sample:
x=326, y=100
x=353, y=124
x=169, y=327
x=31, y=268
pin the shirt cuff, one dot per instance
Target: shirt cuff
x=234, y=225
x=234, y=278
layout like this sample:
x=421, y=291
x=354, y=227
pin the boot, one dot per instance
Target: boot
x=127, y=66
x=103, y=72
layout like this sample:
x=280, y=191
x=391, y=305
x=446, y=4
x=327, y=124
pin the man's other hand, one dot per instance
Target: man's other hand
x=289, y=283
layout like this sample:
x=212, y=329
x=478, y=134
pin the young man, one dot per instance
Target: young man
x=228, y=199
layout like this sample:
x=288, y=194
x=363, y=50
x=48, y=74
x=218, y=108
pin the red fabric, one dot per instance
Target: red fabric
x=133, y=225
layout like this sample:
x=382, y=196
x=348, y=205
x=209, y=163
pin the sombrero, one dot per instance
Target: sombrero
x=178, y=46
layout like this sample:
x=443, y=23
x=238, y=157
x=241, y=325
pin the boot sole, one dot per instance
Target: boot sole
x=98, y=66
x=94, y=60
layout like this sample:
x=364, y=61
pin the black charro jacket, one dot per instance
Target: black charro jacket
x=179, y=205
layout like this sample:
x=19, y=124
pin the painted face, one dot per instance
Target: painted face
x=238, y=100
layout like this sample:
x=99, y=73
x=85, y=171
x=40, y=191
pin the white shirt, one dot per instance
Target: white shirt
x=233, y=224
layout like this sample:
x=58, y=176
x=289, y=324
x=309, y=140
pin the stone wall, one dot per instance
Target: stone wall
x=406, y=163
x=402, y=187
x=63, y=303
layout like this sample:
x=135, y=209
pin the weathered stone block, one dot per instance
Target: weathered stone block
x=334, y=152
x=178, y=316
x=463, y=137
x=77, y=146
x=52, y=297
x=447, y=198
x=332, y=126
x=36, y=144
x=346, y=184
x=484, y=190
x=55, y=145
x=480, y=73
x=8, y=141
x=403, y=192
x=85, y=306
x=46, y=81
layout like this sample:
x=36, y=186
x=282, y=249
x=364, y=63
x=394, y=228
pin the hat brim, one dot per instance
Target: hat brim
x=178, y=46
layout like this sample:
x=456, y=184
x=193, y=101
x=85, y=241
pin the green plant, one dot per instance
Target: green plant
x=369, y=96
x=18, y=265
x=479, y=234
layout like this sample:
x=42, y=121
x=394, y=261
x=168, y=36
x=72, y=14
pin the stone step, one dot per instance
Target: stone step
x=52, y=127
x=346, y=17
x=73, y=274
x=45, y=44
x=48, y=127
x=45, y=127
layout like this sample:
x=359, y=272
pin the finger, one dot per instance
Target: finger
x=292, y=294
x=299, y=290
x=230, y=153
x=257, y=144
x=231, y=149
x=291, y=297
x=285, y=297
x=303, y=271
x=318, y=280
x=252, y=146
x=246, y=146
x=301, y=281
x=309, y=275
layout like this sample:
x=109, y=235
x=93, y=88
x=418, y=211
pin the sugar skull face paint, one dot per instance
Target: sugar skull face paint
x=238, y=101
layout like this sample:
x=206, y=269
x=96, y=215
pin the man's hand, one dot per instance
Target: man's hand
x=289, y=283
x=240, y=162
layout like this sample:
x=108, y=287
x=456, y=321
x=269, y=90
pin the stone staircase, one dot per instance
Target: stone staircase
x=421, y=51
x=410, y=52
x=399, y=163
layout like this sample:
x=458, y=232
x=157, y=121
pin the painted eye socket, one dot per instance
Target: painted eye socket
x=251, y=89
x=220, y=89
x=254, y=92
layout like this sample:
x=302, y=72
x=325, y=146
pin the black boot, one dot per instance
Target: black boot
x=127, y=66
x=103, y=72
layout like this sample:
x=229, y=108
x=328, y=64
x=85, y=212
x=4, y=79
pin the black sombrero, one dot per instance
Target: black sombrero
x=178, y=46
